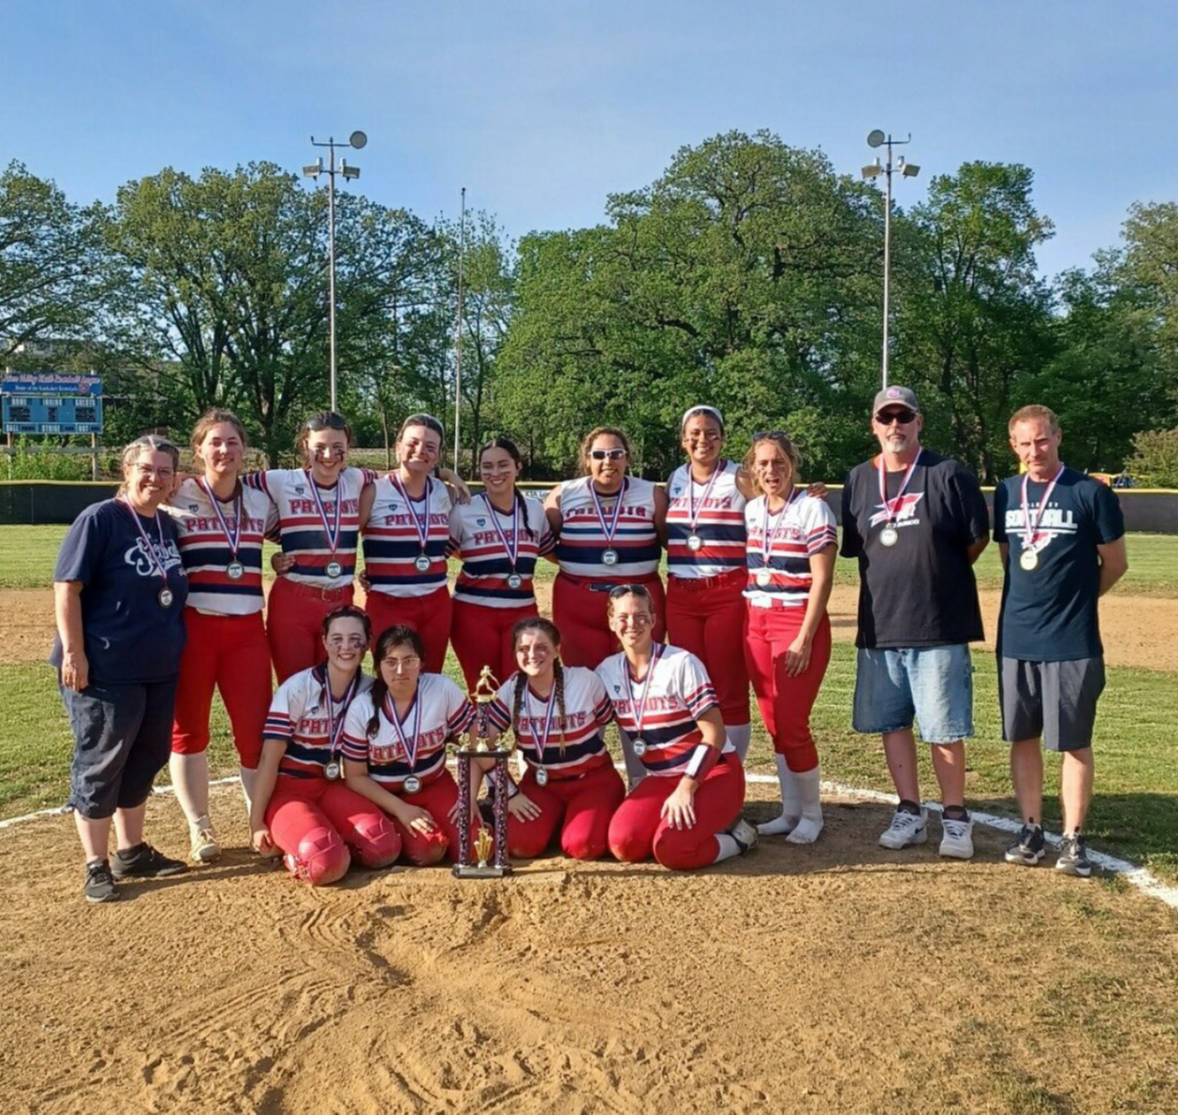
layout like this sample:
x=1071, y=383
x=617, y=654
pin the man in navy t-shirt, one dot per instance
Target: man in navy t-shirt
x=1062, y=543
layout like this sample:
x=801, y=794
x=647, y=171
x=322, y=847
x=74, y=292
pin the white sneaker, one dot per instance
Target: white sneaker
x=205, y=845
x=906, y=829
x=957, y=839
x=745, y=835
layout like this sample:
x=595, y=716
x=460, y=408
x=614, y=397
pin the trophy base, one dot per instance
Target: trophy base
x=474, y=871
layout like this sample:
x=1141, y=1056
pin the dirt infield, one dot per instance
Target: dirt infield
x=1137, y=630
x=834, y=978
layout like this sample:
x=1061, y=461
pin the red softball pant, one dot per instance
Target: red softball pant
x=483, y=637
x=312, y=817
x=580, y=613
x=231, y=654
x=785, y=702
x=294, y=624
x=581, y=808
x=708, y=618
x=638, y=830
x=428, y=615
x=437, y=798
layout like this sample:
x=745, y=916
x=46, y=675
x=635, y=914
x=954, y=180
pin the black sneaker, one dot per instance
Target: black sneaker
x=1073, y=860
x=100, y=883
x=144, y=862
x=1029, y=849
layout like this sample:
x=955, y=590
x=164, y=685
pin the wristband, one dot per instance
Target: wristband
x=703, y=759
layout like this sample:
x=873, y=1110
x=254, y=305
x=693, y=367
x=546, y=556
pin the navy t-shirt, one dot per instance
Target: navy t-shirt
x=128, y=636
x=920, y=592
x=1049, y=614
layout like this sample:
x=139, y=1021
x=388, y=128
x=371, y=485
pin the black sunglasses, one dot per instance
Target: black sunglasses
x=628, y=590
x=328, y=420
x=759, y=434
x=904, y=417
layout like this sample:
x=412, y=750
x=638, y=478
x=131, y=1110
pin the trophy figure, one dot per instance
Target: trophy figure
x=479, y=747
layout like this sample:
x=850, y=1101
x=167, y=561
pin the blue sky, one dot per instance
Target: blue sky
x=542, y=109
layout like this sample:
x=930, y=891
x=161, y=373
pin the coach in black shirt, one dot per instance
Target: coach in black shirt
x=917, y=522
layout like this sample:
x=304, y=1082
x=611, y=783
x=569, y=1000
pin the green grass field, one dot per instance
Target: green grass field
x=1134, y=812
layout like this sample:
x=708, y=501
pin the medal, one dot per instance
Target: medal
x=889, y=536
x=515, y=580
x=609, y=555
x=413, y=784
x=409, y=743
x=542, y=777
x=165, y=598
x=510, y=542
x=1028, y=560
x=422, y=565
x=694, y=542
x=331, y=531
x=694, y=539
x=539, y=743
x=639, y=706
x=421, y=523
x=639, y=746
x=333, y=569
x=333, y=770
x=235, y=571
x=763, y=577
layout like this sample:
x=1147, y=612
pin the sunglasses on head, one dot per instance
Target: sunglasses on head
x=628, y=590
x=759, y=434
x=607, y=454
x=328, y=420
x=904, y=417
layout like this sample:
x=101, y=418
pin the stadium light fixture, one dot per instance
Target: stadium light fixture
x=877, y=138
x=356, y=140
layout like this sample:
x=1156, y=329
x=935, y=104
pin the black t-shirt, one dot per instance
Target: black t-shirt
x=1049, y=613
x=920, y=592
x=129, y=637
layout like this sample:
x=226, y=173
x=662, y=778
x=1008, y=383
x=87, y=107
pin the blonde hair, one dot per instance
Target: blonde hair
x=150, y=443
x=784, y=446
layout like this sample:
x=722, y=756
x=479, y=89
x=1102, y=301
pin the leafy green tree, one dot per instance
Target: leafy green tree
x=1155, y=461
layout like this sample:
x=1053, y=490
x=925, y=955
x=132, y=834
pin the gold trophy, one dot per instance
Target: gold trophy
x=479, y=747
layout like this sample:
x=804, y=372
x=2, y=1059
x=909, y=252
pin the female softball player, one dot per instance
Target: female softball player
x=301, y=806
x=498, y=535
x=610, y=529
x=686, y=812
x=558, y=714
x=221, y=524
x=395, y=747
x=406, y=536
x=790, y=558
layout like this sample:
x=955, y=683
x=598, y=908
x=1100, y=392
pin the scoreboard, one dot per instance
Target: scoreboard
x=48, y=403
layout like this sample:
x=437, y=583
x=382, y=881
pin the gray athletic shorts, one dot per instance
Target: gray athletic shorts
x=1053, y=700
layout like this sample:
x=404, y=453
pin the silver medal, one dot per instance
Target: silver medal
x=1028, y=560
x=413, y=784
x=165, y=598
x=610, y=557
x=235, y=571
x=422, y=565
x=334, y=569
x=695, y=542
x=763, y=577
x=889, y=536
x=515, y=580
x=542, y=777
x=639, y=745
x=333, y=770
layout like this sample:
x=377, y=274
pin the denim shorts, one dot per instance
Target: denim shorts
x=933, y=684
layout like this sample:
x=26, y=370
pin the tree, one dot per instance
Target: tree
x=1155, y=462
x=49, y=252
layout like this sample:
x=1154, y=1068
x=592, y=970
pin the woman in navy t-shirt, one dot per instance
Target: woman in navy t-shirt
x=119, y=592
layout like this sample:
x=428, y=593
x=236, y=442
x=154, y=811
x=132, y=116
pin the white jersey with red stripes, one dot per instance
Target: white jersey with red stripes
x=393, y=539
x=483, y=550
x=584, y=542
x=301, y=717
x=301, y=515
x=679, y=693
x=719, y=507
x=439, y=710
x=574, y=743
x=805, y=527
x=206, y=551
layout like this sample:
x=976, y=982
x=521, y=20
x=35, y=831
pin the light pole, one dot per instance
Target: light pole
x=357, y=140
x=877, y=138
x=458, y=329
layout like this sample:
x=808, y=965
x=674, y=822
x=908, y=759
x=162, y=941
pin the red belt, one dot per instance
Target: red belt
x=594, y=585
x=699, y=584
x=318, y=593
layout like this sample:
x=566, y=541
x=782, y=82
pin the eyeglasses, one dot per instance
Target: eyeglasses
x=607, y=454
x=352, y=642
x=328, y=420
x=157, y=473
x=409, y=662
x=904, y=417
x=758, y=435
x=628, y=590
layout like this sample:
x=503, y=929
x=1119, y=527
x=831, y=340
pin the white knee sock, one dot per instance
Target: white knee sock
x=728, y=847
x=810, y=823
x=791, y=805
x=190, y=779
x=739, y=737
x=248, y=777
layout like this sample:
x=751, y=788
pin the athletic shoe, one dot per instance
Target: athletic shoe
x=1073, y=860
x=100, y=883
x=1029, y=849
x=745, y=835
x=906, y=829
x=205, y=846
x=957, y=838
x=144, y=862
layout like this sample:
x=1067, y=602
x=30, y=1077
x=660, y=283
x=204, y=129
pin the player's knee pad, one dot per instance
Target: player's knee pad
x=378, y=843
x=321, y=858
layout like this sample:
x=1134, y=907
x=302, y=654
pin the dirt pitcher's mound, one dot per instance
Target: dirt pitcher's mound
x=834, y=978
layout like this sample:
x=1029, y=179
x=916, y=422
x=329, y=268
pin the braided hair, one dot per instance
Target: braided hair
x=396, y=636
x=551, y=632
x=509, y=447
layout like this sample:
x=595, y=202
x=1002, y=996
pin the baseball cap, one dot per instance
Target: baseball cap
x=895, y=396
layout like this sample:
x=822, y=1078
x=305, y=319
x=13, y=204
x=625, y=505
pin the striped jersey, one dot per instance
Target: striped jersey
x=302, y=716
x=805, y=526
x=440, y=710
x=587, y=712
x=206, y=552
x=719, y=507
x=583, y=542
x=679, y=693
x=484, y=550
x=393, y=538
x=303, y=507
